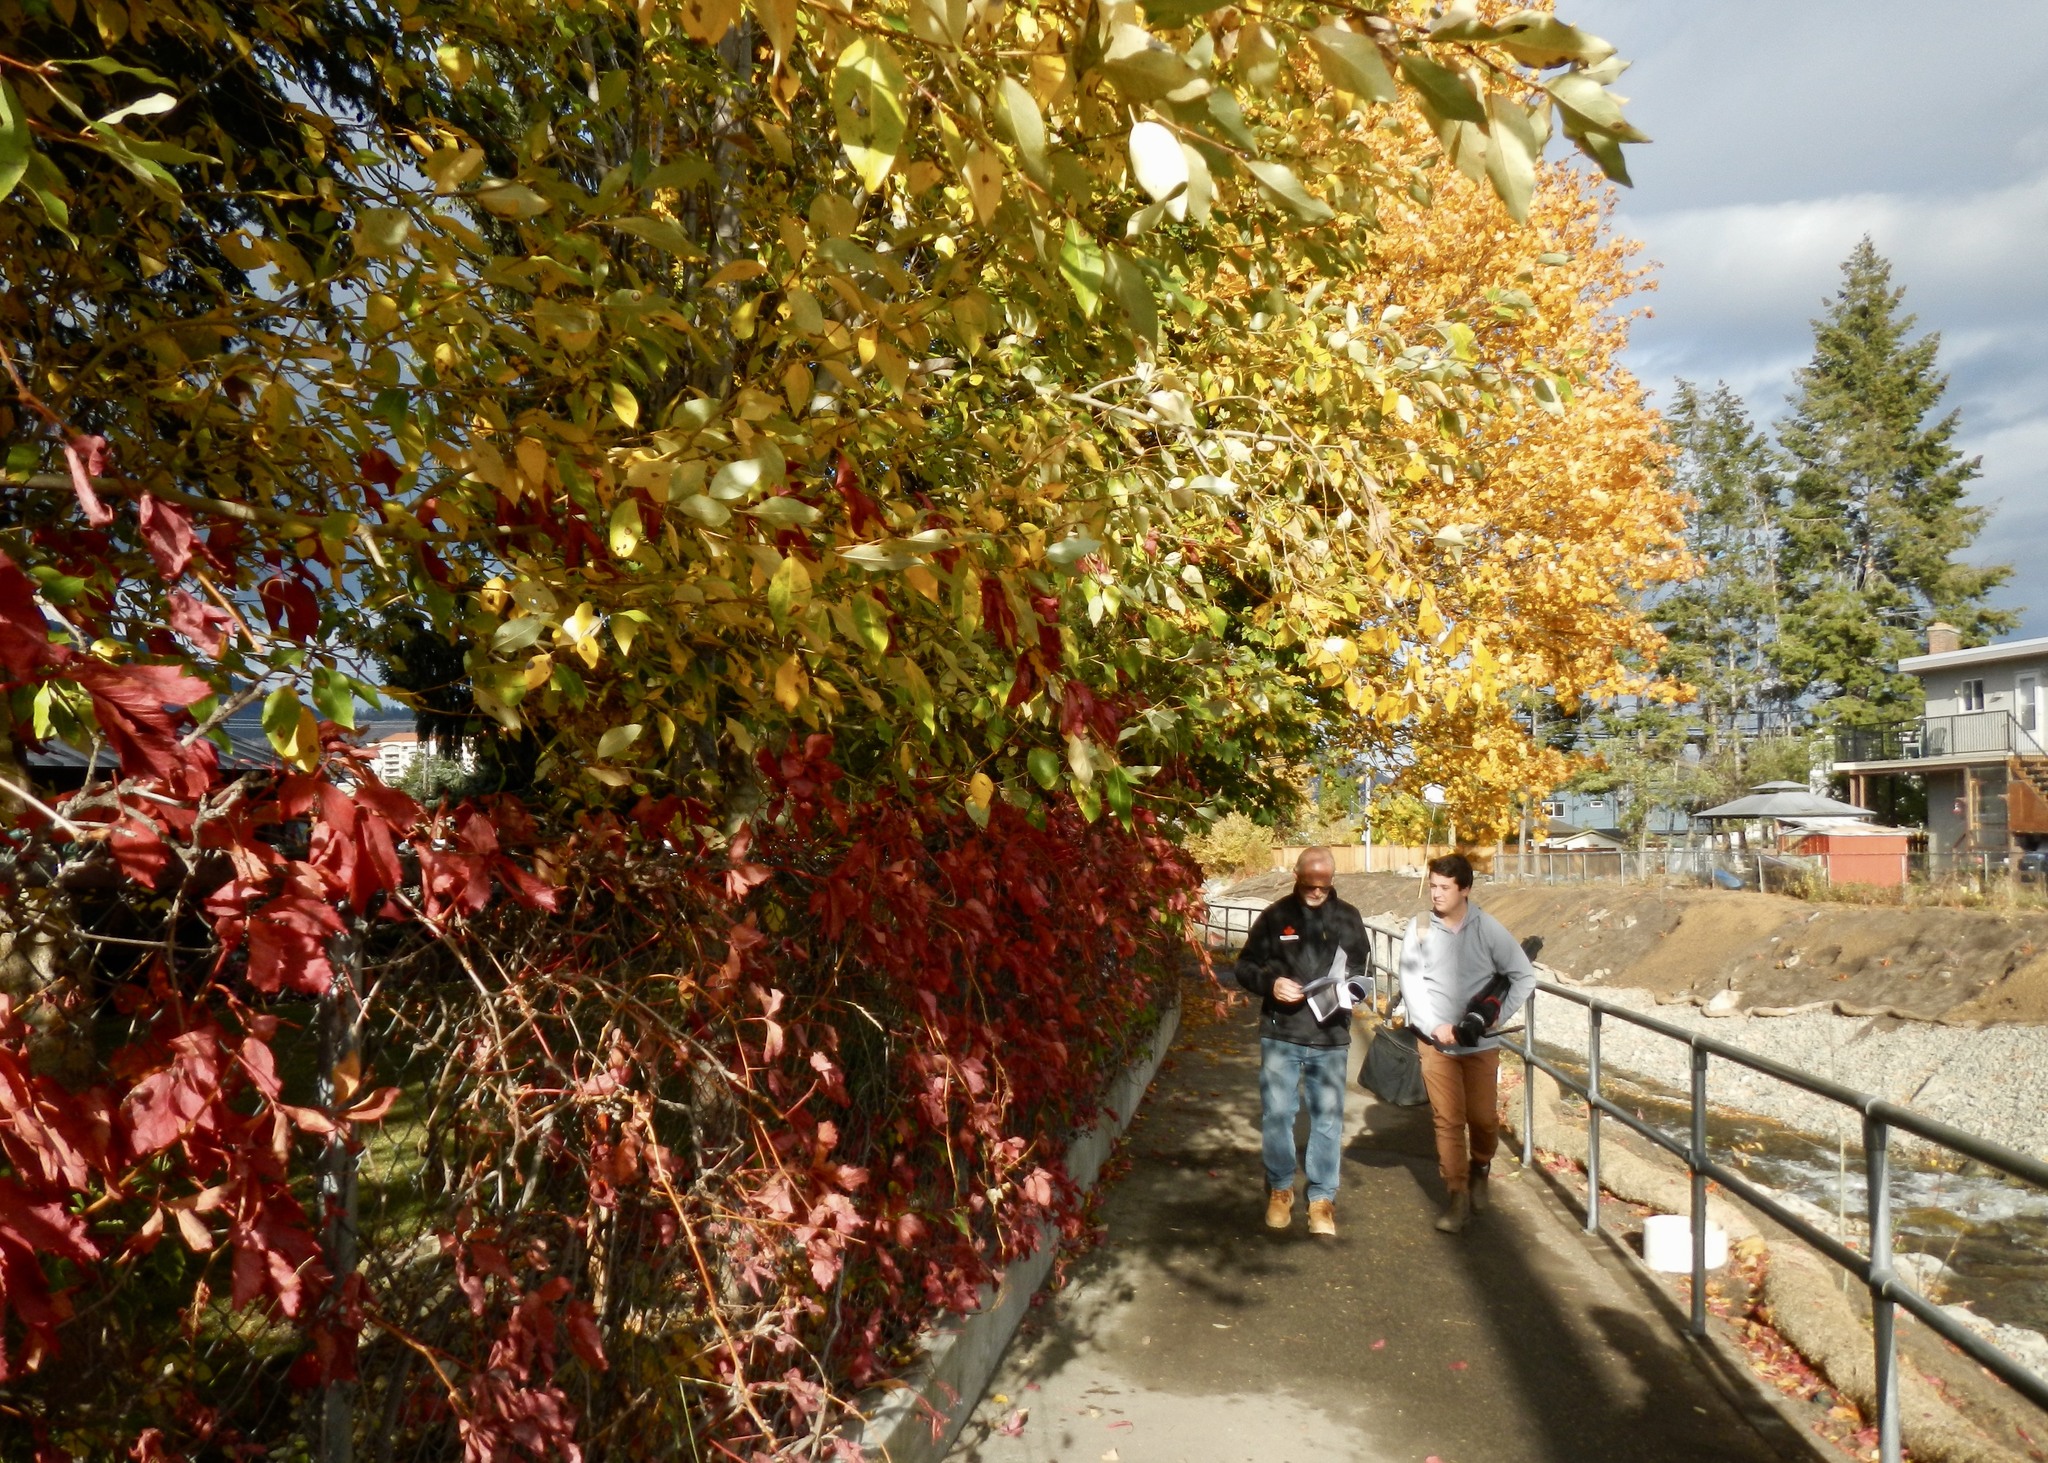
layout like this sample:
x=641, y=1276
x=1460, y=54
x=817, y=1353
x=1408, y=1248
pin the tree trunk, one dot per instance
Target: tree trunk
x=341, y=1047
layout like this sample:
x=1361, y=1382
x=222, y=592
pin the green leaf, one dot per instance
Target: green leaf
x=783, y=512
x=788, y=588
x=871, y=623
x=14, y=140
x=662, y=234
x=1133, y=291
x=1174, y=14
x=707, y=511
x=878, y=557
x=1278, y=182
x=1353, y=63
x=503, y=198
x=335, y=696
x=625, y=529
x=617, y=740
x=1603, y=149
x=290, y=728
x=1084, y=267
x=739, y=479
x=1045, y=767
x=516, y=635
x=1072, y=550
x=1591, y=105
x=108, y=66
x=1511, y=157
x=1145, y=69
x=868, y=101
x=1530, y=36
x=1444, y=92
x=1019, y=120
x=682, y=172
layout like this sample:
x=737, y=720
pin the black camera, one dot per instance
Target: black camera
x=1482, y=1013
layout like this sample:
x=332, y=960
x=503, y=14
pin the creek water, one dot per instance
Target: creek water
x=1990, y=1231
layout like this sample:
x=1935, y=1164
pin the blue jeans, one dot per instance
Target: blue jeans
x=1288, y=1074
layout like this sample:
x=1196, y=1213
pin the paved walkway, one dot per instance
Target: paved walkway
x=1194, y=1335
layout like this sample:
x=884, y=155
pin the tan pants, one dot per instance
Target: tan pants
x=1463, y=1101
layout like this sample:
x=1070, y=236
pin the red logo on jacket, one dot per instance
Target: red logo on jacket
x=1287, y=930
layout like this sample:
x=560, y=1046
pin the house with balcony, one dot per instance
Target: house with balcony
x=1980, y=747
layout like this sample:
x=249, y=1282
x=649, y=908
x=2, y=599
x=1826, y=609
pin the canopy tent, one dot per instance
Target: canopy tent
x=1784, y=800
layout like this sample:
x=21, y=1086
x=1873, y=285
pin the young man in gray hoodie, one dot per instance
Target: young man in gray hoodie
x=1445, y=965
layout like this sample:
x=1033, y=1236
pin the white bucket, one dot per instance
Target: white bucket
x=1667, y=1243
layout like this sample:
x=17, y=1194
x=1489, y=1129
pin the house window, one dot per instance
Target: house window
x=1554, y=808
x=1973, y=696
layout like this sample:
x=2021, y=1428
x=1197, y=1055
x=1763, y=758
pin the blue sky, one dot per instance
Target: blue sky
x=1784, y=132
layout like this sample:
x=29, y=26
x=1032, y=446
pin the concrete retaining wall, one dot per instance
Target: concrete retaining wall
x=916, y=1418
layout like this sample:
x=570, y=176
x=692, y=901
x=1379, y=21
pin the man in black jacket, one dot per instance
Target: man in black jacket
x=1293, y=945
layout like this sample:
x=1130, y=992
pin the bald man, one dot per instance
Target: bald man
x=1301, y=1059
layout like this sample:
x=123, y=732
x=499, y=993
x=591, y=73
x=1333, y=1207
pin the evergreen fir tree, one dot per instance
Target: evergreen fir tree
x=1876, y=515
x=1722, y=625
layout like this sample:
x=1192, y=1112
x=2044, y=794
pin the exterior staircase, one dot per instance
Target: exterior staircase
x=2026, y=805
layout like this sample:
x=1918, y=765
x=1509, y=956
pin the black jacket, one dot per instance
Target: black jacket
x=1280, y=944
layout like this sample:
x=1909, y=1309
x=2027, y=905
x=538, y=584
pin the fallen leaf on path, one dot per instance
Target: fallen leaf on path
x=1015, y=1425
x=1000, y=1400
x=1125, y=1423
x=1380, y=1345
x=1110, y=1456
x=1219, y=1325
x=1459, y=1366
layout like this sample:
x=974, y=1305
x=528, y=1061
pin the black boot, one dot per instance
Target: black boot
x=1482, y=1174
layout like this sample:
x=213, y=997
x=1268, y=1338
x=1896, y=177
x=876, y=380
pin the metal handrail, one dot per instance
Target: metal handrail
x=1880, y=1119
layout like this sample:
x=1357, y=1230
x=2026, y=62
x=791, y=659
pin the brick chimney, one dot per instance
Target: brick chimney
x=1943, y=637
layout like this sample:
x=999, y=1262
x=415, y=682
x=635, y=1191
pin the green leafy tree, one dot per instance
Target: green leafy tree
x=1876, y=520
x=1721, y=626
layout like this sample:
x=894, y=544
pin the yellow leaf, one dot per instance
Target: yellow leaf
x=790, y=683
x=984, y=178
x=980, y=788
x=707, y=20
x=625, y=403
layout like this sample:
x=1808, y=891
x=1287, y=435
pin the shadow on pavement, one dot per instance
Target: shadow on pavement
x=1194, y=1333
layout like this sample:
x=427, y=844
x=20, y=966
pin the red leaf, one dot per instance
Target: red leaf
x=204, y=625
x=87, y=458
x=373, y=1108
x=1015, y=1425
x=140, y=851
x=584, y=1338
x=376, y=466
x=129, y=701
x=290, y=607
x=25, y=642
x=168, y=534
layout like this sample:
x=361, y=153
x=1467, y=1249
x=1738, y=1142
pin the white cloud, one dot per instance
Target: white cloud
x=1739, y=284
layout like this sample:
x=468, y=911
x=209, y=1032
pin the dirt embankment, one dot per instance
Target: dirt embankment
x=1760, y=952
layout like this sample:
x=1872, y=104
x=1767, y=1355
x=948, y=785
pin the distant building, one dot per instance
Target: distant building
x=1602, y=812
x=1566, y=837
x=1980, y=747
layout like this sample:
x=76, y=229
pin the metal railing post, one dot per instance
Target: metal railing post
x=1883, y=1311
x=1697, y=1162
x=1592, y=1119
x=1529, y=1083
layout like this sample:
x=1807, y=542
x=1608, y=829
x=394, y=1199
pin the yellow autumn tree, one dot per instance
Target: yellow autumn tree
x=1541, y=552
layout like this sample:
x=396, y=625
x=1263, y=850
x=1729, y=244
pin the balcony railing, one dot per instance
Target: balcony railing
x=1971, y=733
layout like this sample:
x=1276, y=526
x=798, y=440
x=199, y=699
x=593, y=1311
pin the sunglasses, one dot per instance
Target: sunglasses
x=1311, y=888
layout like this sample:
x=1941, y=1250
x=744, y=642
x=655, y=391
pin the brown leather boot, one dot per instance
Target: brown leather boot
x=1482, y=1180
x=1322, y=1217
x=1457, y=1214
x=1279, y=1208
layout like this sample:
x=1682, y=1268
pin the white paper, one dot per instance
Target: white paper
x=1331, y=994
